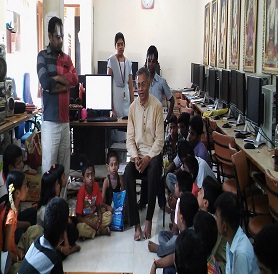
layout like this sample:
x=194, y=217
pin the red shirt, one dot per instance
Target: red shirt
x=86, y=200
x=195, y=189
x=65, y=67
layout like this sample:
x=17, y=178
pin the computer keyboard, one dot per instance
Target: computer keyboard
x=2, y=122
x=102, y=119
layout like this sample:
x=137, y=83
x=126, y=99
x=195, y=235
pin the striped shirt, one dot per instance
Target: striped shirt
x=41, y=258
x=55, y=106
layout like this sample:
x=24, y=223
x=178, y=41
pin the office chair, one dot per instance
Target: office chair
x=24, y=130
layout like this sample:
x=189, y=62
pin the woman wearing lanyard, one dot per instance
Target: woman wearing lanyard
x=121, y=69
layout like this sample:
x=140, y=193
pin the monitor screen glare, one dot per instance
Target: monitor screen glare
x=99, y=92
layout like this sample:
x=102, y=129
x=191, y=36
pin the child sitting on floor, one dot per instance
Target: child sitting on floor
x=60, y=171
x=42, y=256
x=167, y=239
x=113, y=182
x=68, y=246
x=17, y=192
x=51, y=187
x=92, y=221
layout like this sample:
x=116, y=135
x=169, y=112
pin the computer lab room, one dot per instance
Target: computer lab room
x=211, y=68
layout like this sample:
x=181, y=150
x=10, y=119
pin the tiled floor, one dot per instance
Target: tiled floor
x=119, y=252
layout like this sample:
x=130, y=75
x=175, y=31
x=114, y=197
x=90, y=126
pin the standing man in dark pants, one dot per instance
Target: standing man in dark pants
x=145, y=140
x=56, y=75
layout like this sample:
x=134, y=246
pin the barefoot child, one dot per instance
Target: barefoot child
x=113, y=182
x=92, y=221
x=167, y=239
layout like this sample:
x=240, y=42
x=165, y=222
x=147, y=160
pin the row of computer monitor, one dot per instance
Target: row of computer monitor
x=232, y=88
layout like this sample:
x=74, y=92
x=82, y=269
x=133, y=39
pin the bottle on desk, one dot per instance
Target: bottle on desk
x=276, y=149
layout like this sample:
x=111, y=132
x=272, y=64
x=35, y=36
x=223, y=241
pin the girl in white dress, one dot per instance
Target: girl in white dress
x=121, y=69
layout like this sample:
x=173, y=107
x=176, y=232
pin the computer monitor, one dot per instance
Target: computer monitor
x=255, y=100
x=102, y=67
x=213, y=79
x=225, y=86
x=134, y=69
x=233, y=93
x=202, y=77
x=241, y=92
x=195, y=74
x=99, y=92
x=192, y=72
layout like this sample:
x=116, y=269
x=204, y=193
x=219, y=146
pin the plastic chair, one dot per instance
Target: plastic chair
x=224, y=146
x=24, y=130
x=253, y=201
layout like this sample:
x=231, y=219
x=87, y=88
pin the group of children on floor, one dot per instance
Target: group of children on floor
x=205, y=235
x=93, y=213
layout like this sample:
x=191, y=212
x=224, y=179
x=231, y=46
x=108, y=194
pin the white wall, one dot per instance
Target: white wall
x=175, y=27
x=86, y=36
x=2, y=22
x=24, y=60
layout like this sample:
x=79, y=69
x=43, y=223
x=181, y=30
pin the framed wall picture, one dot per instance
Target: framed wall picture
x=234, y=34
x=206, y=34
x=223, y=24
x=213, y=37
x=250, y=35
x=270, y=40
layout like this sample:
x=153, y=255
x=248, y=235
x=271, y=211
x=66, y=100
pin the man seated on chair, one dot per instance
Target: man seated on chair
x=145, y=139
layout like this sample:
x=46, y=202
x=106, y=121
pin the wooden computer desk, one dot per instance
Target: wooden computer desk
x=16, y=120
x=118, y=124
x=260, y=157
x=93, y=138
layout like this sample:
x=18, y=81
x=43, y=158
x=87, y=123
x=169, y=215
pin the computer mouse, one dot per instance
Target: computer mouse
x=249, y=146
x=217, y=117
x=125, y=117
x=240, y=135
x=226, y=125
